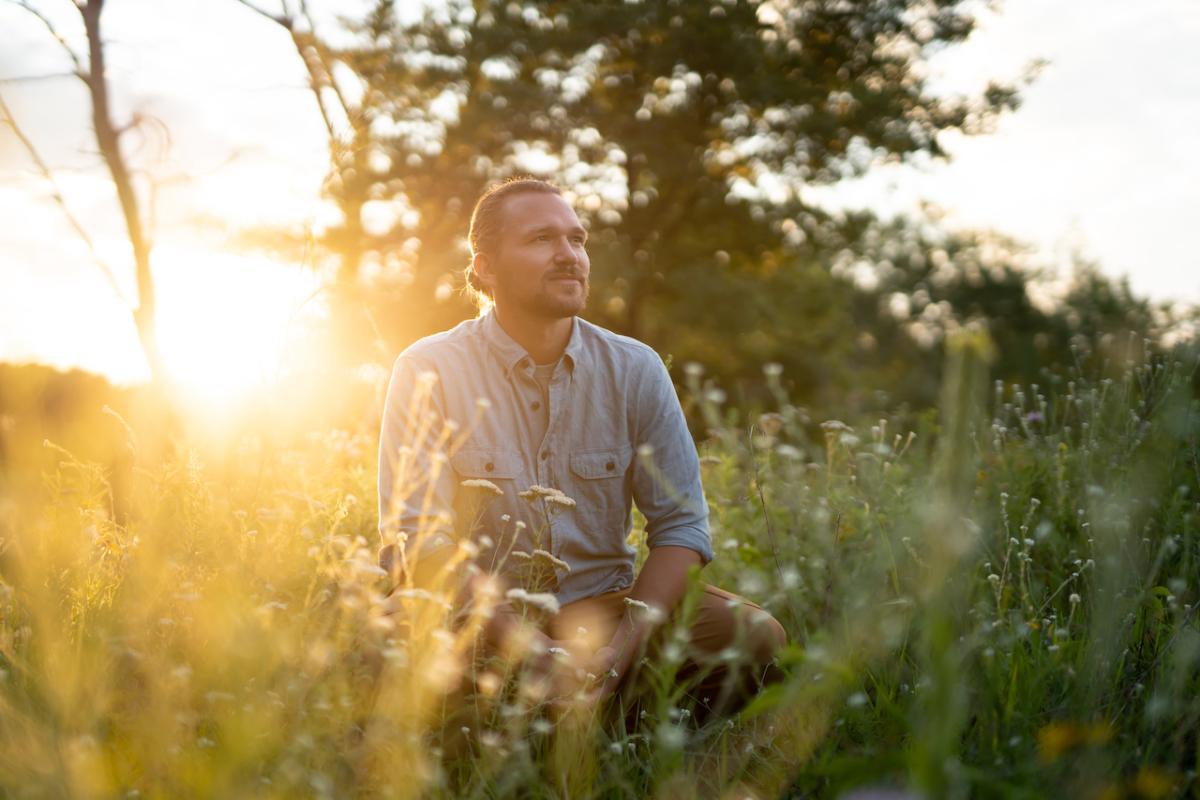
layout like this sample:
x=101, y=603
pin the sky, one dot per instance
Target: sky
x=1101, y=160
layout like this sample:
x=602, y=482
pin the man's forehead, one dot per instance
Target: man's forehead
x=529, y=211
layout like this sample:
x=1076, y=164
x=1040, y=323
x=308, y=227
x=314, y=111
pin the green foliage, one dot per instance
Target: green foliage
x=998, y=599
x=683, y=132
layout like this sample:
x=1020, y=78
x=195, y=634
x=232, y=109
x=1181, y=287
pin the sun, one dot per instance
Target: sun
x=224, y=320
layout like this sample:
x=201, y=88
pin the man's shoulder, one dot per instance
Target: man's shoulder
x=439, y=345
x=601, y=341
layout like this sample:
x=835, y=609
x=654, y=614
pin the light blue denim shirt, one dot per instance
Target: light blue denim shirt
x=614, y=435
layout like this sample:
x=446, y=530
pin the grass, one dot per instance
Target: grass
x=998, y=599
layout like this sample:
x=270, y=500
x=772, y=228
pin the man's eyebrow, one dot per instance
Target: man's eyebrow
x=579, y=229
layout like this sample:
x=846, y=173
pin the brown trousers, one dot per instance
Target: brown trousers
x=725, y=657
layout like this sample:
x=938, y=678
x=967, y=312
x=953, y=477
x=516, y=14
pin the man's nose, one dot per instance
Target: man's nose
x=564, y=253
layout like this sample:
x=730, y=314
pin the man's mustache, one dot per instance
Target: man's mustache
x=573, y=275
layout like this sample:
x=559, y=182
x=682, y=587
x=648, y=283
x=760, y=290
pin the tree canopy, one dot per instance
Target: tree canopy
x=685, y=134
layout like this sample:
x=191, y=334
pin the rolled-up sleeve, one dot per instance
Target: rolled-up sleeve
x=666, y=473
x=416, y=483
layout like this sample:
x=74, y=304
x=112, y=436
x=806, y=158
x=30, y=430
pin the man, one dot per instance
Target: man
x=538, y=397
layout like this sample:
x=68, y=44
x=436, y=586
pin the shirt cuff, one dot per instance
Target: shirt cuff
x=692, y=538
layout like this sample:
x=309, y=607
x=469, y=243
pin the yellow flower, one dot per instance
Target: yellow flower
x=1153, y=782
x=1058, y=738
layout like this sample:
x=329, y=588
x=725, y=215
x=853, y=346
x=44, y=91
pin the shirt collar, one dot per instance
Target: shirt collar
x=511, y=353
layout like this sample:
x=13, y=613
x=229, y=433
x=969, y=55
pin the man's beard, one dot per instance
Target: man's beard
x=545, y=304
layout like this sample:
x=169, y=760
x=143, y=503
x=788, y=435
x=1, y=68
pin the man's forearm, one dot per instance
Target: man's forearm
x=660, y=585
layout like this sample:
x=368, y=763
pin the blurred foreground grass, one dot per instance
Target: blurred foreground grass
x=998, y=599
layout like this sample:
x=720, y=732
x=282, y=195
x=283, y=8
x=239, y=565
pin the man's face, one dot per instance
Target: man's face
x=537, y=265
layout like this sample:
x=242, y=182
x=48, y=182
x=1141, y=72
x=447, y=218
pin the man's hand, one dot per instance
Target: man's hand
x=657, y=591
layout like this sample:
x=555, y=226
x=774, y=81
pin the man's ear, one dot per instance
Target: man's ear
x=481, y=265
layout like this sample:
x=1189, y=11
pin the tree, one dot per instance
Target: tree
x=91, y=70
x=685, y=130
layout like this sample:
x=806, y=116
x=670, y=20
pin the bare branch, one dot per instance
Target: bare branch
x=79, y=71
x=323, y=55
x=279, y=19
x=32, y=78
x=299, y=40
x=56, y=193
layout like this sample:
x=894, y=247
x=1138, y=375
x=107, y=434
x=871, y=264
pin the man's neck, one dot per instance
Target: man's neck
x=544, y=339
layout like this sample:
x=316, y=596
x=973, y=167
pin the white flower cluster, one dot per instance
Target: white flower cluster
x=482, y=483
x=652, y=614
x=553, y=560
x=542, y=601
x=547, y=494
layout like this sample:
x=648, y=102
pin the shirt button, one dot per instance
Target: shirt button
x=535, y=405
x=489, y=466
x=610, y=466
x=545, y=454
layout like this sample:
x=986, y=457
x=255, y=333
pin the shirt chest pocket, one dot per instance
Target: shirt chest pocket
x=488, y=464
x=600, y=486
x=601, y=463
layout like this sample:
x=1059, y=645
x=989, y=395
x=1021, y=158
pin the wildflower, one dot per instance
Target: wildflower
x=1074, y=599
x=536, y=491
x=772, y=369
x=482, y=483
x=365, y=567
x=729, y=654
x=542, y=601
x=1057, y=738
x=835, y=425
x=788, y=451
x=771, y=423
x=993, y=579
x=560, y=499
x=693, y=369
x=544, y=555
x=672, y=737
x=417, y=593
x=488, y=683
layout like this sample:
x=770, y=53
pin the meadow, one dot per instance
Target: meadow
x=994, y=598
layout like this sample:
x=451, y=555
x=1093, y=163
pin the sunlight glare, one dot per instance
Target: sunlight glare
x=224, y=319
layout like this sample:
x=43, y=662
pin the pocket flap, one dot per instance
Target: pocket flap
x=606, y=463
x=485, y=463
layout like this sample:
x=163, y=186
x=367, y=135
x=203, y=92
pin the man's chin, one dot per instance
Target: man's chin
x=560, y=307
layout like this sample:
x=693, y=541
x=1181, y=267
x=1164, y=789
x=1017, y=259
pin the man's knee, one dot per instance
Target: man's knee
x=765, y=637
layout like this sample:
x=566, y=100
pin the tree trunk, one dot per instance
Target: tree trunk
x=108, y=139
